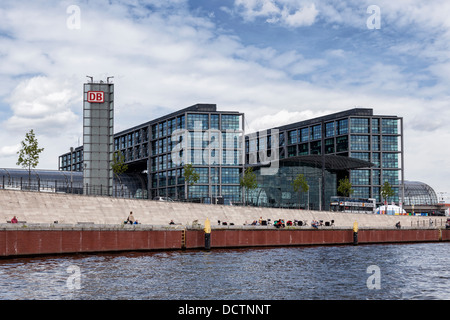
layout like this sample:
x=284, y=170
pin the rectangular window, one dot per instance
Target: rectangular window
x=360, y=155
x=389, y=143
x=214, y=121
x=197, y=121
x=329, y=146
x=230, y=122
x=360, y=177
x=304, y=135
x=342, y=127
x=316, y=132
x=359, y=143
x=390, y=160
x=359, y=125
x=389, y=126
x=230, y=176
x=292, y=137
x=303, y=149
x=292, y=151
x=375, y=125
x=316, y=147
x=329, y=129
x=342, y=144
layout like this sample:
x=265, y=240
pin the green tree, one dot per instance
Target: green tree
x=190, y=177
x=387, y=191
x=248, y=181
x=118, y=165
x=345, y=187
x=29, y=153
x=300, y=185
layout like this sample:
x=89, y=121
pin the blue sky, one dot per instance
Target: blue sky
x=278, y=61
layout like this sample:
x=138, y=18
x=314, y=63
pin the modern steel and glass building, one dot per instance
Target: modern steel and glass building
x=209, y=139
x=371, y=145
x=366, y=148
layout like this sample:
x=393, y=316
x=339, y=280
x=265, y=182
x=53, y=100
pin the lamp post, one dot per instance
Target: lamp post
x=71, y=168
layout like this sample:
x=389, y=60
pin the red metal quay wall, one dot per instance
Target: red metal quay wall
x=28, y=242
x=37, y=242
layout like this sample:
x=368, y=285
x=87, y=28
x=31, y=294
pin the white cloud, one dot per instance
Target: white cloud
x=287, y=13
x=43, y=104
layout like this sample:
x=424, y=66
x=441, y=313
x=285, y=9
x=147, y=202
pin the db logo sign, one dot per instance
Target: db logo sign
x=95, y=96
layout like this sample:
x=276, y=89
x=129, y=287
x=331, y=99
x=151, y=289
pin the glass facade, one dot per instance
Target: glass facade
x=419, y=193
x=277, y=190
x=213, y=141
x=358, y=134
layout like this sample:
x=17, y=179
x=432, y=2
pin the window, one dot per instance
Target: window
x=360, y=177
x=389, y=126
x=204, y=175
x=292, y=151
x=214, y=121
x=304, y=134
x=292, y=137
x=359, y=125
x=316, y=147
x=342, y=144
x=360, y=155
x=389, y=143
x=376, y=177
x=359, y=142
x=376, y=143
x=376, y=159
x=197, y=121
x=390, y=160
x=390, y=176
x=230, y=122
x=329, y=146
x=375, y=125
x=342, y=127
x=230, y=175
x=329, y=129
x=316, y=132
x=180, y=122
x=303, y=149
x=361, y=192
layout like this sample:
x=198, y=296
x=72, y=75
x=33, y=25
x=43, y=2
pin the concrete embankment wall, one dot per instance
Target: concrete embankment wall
x=40, y=207
x=95, y=224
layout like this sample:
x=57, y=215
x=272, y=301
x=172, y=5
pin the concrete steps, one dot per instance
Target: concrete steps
x=41, y=207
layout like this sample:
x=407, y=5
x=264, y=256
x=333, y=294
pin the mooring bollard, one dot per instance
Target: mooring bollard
x=355, y=233
x=207, y=234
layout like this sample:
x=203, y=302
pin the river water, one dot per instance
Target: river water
x=363, y=272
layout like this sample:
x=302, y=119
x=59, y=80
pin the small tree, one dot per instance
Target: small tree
x=248, y=181
x=300, y=185
x=118, y=165
x=190, y=177
x=387, y=191
x=345, y=187
x=29, y=153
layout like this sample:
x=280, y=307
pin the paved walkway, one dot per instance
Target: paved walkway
x=41, y=207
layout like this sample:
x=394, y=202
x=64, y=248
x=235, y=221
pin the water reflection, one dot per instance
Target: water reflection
x=409, y=271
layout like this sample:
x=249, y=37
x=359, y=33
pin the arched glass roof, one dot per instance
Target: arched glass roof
x=419, y=193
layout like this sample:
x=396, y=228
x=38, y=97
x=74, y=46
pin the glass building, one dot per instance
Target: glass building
x=200, y=135
x=419, y=193
x=356, y=134
x=356, y=143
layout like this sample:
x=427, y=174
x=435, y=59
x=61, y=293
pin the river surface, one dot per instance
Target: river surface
x=363, y=272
